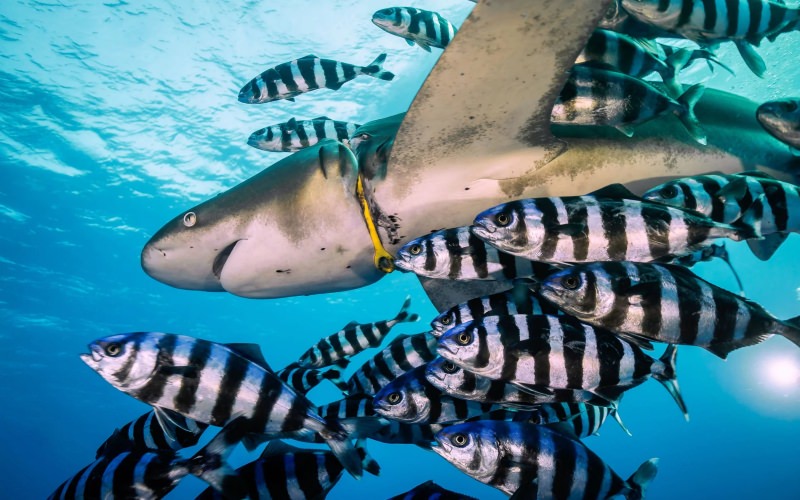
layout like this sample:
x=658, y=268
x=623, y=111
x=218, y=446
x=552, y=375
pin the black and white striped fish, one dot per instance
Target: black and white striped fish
x=595, y=96
x=412, y=399
x=294, y=136
x=287, y=80
x=337, y=348
x=124, y=471
x=598, y=228
x=423, y=27
x=747, y=198
x=663, y=303
x=303, y=378
x=396, y=432
x=457, y=254
x=285, y=472
x=637, y=58
x=459, y=383
x=430, y=491
x=714, y=251
x=745, y=22
x=404, y=353
x=212, y=383
x=530, y=461
x=547, y=353
x=518, y=300
x=781, y=118
x=578, y=420
x=146, y=432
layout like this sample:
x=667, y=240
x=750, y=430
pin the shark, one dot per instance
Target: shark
x=477, y=134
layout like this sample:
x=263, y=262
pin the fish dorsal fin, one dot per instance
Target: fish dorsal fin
x=454, y=100
x=321, y=118
x=291, y=124
x=615, y=192
x=278, y=447
x=351, y=324
x=309, y=56
x=251, y=352
x=767, y=246
x=757, y=174
x=735, y=190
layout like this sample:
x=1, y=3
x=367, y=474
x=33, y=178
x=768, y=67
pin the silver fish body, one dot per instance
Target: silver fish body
x=423, y=27
x=295, y=135
x=147, y=432
x=535, y=462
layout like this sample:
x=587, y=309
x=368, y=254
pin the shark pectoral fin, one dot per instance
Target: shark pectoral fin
x=336, y=159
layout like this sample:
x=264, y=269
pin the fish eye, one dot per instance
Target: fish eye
x=571, y=282
x=415, y=249
x=449, y=367
x=460, y=440
x=189, y=219
x=113, y=349
x=502, y=219
x=394, y=398
x=446, y=320
x=668, y=192
x=464, y=338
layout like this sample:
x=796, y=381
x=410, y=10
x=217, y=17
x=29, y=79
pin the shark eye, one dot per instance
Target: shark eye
x=571, y=282
x=464, y=338
x=449, y=367
x=502, y=219
x=415, y=249
x=189, y=219
x=394, y=398
x=113, y=349
x=668, y=192
x=363, y=136
x=460, y=440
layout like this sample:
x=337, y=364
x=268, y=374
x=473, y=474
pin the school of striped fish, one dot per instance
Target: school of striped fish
x=502, y=386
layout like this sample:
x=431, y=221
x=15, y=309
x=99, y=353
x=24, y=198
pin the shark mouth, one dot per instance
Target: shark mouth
x=222, y=258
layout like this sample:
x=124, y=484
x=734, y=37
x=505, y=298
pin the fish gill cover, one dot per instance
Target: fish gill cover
x=119, y=115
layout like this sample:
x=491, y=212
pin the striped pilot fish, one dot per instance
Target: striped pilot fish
x=212, y=383
x=423, y=27
x=457, y=254
x=286, y=472
x=781, y=118
x=772, y=206
x=302, y=378
x=714, y=251
x=124, y=471
x=597, y=227
x=595, y=96
x=294, y=136
x=519, y=300
x=546, y=353
x=404, y=353
x=146, y=432
x=640, y=58
x=745, y=22
x=430, y=491
x=529, y=461
x=355, y=337
x=412, y=399
x=287, y=80
x=578, y=420
x=453, y=380
x=664, y=303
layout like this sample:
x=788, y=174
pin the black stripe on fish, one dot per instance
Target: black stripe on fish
x=329, y=70
x=710, y=15
x=686, y=13
x=152, y=391
x=732, y=8
x=186, y=396
x=306, y=67
x=549, y=220
x=232, y=377
x=614, y=230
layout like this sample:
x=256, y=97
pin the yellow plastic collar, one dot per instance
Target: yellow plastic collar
x=383, y=260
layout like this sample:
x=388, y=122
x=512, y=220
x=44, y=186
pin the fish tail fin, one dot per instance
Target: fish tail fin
x=403, y=316
x=338, y=439
x=687, y=101
x=751, y=58
x=335, y=376
x=749, y=224
x=641, y=479
x=210, y=463
x=615, y=415
x=375, y=69
x=674, y=64
x=792, y=330
x=370, y=464
x=668, y=377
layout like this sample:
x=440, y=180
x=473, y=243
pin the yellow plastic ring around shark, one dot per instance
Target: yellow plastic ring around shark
x=382, y=259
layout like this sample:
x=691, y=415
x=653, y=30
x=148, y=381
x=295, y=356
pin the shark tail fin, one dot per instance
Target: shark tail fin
x=687, y=101
x=668, y=377
x=210, y=463
x=640, y=479
x=375, y=69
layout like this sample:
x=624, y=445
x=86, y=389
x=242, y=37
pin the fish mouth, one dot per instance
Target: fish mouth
x=222, y=258
x=446, y=351
x=483, y=231
x=403, y=262
x=94, y=357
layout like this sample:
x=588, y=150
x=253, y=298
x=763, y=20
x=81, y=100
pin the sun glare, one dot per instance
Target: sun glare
x=782, y=373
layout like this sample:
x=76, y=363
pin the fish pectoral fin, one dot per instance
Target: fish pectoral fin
x=766, y=247
x=526, y=491
x=187, y=371
x=170, y=422
x=751, y=58
x=640, y=342
x=424, y=45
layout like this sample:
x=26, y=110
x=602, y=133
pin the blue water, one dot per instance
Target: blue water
x=116, y=116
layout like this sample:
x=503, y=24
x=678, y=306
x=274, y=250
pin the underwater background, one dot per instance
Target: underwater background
x=116, y=116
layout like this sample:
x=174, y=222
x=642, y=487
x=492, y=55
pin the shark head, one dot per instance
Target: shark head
x=296, y=228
